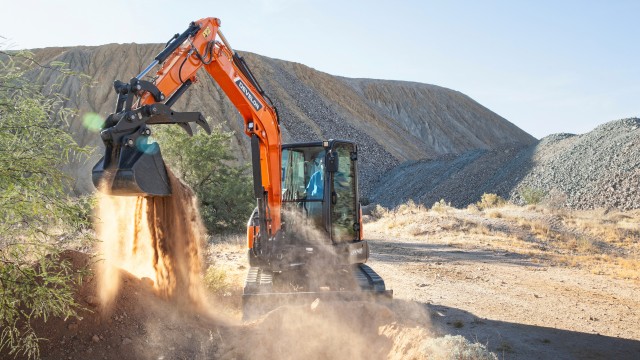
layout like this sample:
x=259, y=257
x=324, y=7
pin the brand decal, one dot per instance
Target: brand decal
x=206, y=32
x=357, y=252
x=249, y=95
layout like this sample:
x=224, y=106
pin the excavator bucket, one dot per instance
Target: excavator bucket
x=132, y=172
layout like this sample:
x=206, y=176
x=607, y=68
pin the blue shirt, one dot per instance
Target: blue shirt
x=316, y=184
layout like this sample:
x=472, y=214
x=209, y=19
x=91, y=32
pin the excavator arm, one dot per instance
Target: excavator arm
x=133, y=165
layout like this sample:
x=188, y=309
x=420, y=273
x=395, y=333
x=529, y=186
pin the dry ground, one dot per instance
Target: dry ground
x=528, y=282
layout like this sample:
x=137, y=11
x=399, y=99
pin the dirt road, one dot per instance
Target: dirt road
x=518, y=307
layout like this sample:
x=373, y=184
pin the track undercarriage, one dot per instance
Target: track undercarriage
x=266, y=290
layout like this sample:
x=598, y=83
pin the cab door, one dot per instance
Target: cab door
x=343, y=197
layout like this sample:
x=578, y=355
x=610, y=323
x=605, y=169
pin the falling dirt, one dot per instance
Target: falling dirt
x=157, y=239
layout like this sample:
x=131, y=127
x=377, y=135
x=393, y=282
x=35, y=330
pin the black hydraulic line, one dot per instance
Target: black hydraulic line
x=176, y=95
x=259, y=193
x=176, y=42
x=258, y=190
x=277, y=114
x=244, y=69
x=170, y=40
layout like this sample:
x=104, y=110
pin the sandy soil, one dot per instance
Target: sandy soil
x=518, y=308
x=453, y=279
x=529, y=283
x=139, y=324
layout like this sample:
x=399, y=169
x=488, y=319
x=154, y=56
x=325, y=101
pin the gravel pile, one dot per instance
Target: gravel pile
x=599, y=169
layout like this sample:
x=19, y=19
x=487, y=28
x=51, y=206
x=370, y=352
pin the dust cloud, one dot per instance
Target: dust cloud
x=157, y=238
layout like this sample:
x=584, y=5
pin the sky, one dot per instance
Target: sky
x=546, y=66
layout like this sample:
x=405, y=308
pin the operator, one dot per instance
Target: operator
x=316, y=182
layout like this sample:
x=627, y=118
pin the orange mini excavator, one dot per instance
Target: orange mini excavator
x=305, y=236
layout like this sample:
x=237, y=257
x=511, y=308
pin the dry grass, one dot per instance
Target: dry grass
x=455, y=347
x=441, y=206
x=488, y=201
x=223, y=277
x=604, y=242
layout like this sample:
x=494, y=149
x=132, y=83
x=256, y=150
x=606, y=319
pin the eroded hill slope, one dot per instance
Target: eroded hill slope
x=392, y=121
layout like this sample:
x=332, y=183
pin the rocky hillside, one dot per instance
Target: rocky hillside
x=393, y=122
x=597, y=169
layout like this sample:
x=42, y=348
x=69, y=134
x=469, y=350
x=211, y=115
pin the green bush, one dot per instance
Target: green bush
x=34, y=207
x=532, y=196
x=216, y=281
x=205, y=163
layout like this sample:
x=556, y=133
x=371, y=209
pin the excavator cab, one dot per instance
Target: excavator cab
x=319, y=188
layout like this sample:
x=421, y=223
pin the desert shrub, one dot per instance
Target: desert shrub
x=531, y=196
x=34, y=207
x=490, y=201
x=473, y=208
x=217, y=281
x=409, y=207
x=455, y=347
x=205, y=163
x=379, y=211
x=85, y=205
x=441, y=206
x=585, y=245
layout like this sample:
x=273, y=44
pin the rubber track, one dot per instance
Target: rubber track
x=368, y=279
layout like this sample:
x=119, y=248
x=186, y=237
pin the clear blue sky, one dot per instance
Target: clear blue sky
x=547, y=66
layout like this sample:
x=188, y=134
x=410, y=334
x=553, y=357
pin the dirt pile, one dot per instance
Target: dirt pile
x=138, y=324
x=599, y=169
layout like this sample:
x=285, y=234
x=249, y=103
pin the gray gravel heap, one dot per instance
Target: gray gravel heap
x=599, y=169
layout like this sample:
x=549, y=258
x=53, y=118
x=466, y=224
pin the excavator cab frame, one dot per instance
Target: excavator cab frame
x=317, y=226
x=320, y=184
